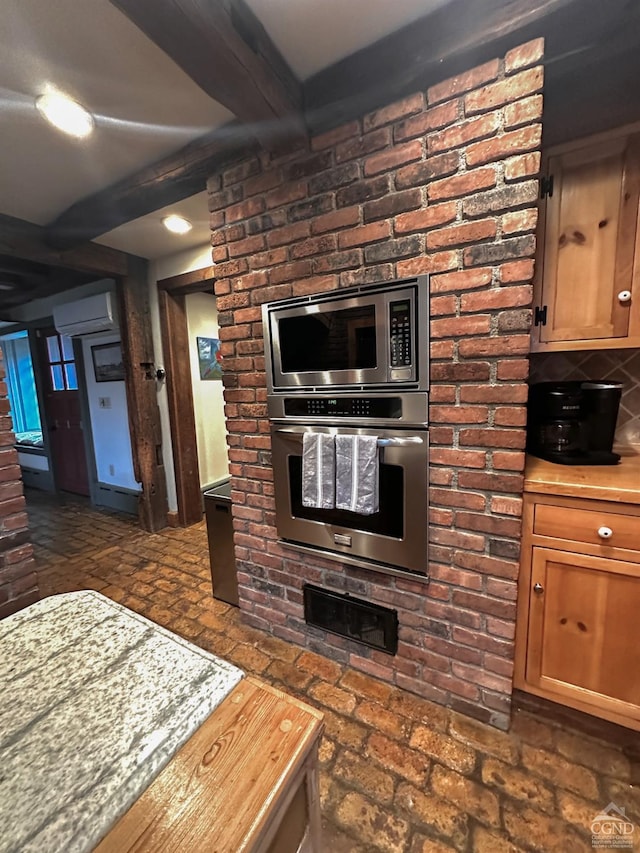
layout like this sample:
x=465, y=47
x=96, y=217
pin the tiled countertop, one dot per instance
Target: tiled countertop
x=94, y=701
x=619, y=482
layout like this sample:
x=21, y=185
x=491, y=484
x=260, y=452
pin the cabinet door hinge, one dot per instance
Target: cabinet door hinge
x=546, y=186
x=540, y=316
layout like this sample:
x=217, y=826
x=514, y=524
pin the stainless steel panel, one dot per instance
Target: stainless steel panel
x=406, y=449
x=383, y=375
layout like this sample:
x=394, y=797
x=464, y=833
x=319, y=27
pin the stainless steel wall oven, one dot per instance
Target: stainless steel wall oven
x=363, y=374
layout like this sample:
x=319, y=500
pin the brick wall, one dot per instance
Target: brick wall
x=441, y=182
x=18, y=580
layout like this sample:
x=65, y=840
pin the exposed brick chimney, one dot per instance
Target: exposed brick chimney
x=441, y=182
x=18, y=580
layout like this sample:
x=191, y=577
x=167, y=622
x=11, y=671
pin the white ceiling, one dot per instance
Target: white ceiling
x=145, y=106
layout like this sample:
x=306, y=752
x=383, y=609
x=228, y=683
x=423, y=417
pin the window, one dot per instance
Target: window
x=21, y=387
x=61, y=363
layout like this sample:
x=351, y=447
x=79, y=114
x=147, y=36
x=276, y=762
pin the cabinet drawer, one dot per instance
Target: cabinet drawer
x=582, y=525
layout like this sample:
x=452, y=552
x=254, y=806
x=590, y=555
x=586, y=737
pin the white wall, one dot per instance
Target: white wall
x=192, y=259
x=208, y=402
x=110, y=424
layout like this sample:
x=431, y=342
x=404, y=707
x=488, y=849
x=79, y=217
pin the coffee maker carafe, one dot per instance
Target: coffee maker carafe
x=573, y=423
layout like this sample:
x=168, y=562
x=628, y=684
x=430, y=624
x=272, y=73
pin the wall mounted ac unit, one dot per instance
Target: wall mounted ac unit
x=85, y=316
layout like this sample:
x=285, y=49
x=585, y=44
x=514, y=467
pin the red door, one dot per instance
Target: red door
x=62, y=412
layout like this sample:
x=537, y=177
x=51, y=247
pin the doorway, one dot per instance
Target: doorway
x=177, y=348
x=62, y=412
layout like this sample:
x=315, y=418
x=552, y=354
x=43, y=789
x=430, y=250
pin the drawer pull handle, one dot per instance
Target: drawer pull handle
x=605, y=532
x=624, y=296
x=538, y=588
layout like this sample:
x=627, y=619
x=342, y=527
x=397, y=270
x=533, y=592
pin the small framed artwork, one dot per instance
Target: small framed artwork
x=107, y=362
x=209, y=358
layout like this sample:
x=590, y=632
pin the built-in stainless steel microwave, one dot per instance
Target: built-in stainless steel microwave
x=368, y=337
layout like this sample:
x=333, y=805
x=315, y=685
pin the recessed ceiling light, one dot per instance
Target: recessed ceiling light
x=176, y=224
x=65, y=114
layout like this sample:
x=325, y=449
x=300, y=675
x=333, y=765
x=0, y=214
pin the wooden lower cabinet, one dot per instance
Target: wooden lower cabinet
x=578, y=627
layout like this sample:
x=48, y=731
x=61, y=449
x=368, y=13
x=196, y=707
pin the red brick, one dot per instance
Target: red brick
x=442, y=350
x=458, y=498
x=289, y=272
x=430, y=119
x=399, y=109
x=478, y=324
x=506, y=506
x=335, y=220
x=461, y=185
x=487, y=300
x=486, y=565
x=516, y=369
x=428, y=217
x=459, y=458
x=314, y=246
x=523, y=56
x=520, y=221
x=420, y=174
x=400, y=155
x=428, y=264
x=526, y=111
x=491, y=347
x=504, y=91
x=364, y=234
x=443, y=305
x=522, y=166
x=360, y=146
x=459, y=414
x=510, y=416
x=392, y=205
x=463, y=133
x=249, y=246
x=490, y=482
x=463, y=82
x=286, y=194
x=513, y=142
x=509, y=461
x=458, y=235
x=462, y=280
x=517, y=271
x=504, y=438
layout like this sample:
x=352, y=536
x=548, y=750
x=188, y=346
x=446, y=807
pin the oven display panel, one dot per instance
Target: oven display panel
x=343, y=407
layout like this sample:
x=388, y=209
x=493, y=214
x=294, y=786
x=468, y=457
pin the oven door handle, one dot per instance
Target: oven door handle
x=382, y=442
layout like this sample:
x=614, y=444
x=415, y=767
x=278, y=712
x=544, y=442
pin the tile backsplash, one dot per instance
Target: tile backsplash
x=621, y=365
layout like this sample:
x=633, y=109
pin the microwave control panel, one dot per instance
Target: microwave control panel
x=401, y=334
x=343, y=407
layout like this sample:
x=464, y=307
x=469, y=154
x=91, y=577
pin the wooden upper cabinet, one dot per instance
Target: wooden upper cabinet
x=587, y=255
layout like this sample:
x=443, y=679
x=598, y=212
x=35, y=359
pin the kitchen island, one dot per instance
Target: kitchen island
x=115, y=732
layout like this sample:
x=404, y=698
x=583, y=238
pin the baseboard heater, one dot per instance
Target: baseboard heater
x=349, y=617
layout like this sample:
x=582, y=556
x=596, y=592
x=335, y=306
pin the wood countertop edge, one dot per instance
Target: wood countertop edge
x=616, y=483
x=149, y=824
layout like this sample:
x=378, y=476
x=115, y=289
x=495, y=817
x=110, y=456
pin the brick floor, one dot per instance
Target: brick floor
x=398, y=774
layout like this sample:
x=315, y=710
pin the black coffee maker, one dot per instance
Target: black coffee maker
x=573, y=423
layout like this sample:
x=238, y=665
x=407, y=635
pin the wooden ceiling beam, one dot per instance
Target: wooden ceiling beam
x=452, y=39
x=165, y=182
x=225, y=49
x=26, y=241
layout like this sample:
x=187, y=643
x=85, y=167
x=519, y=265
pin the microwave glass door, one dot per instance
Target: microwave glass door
x=328, y=340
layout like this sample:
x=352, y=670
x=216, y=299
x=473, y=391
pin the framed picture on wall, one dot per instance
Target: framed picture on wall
x=107, y=362
x=209, y=358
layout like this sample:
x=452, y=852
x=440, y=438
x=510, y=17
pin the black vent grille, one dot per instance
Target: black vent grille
x=358, y=620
